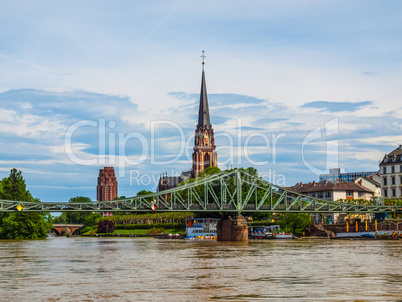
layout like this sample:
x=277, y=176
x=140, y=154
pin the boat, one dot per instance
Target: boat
x=367, y=235
x=377, y=235
x=263, y=232
x=284, y=236
x=170, y=236
x=201, y=228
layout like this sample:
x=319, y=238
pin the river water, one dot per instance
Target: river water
x=141, y=269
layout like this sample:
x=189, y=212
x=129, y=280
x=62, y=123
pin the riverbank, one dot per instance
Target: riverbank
x=135, y=232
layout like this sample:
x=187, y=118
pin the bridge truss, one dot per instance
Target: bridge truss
x=228, y=191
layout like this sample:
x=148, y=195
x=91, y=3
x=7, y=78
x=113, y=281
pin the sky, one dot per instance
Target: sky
x=294, y=88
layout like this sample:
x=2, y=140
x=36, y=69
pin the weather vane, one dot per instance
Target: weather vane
x=203, y=57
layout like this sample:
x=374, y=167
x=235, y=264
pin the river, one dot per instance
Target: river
x=142, y=269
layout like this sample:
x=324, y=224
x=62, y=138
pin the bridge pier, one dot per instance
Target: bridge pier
x=232, y=229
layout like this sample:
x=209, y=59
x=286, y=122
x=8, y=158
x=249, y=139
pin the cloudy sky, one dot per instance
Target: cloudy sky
x=295, y=88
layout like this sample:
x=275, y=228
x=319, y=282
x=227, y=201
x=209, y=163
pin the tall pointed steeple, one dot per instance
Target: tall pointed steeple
x=203, y=113
x=204, y=154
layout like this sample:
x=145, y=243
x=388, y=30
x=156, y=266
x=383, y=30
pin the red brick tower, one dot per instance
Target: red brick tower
x=204, y=154
x=107, y=184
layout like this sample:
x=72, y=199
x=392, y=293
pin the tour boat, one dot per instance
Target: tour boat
x=263, y=232
x=201, y=228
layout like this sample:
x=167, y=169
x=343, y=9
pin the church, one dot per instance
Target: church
x=204, y=151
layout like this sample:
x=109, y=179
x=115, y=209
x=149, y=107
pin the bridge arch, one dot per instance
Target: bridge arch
x=64, y=229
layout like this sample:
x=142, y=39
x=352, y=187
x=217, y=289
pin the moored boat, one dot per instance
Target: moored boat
x=201, y=228
x=284, y=236
x=263, y=232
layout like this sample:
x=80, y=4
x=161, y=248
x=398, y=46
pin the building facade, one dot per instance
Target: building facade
x=107, y=188
x=334, y=191
x=391, y=174
x=340, y=174
x=373, y=182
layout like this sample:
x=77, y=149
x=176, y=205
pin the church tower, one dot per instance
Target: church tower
x=204, y=154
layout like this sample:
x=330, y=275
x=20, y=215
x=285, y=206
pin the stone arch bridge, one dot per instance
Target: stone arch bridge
x=64, y=229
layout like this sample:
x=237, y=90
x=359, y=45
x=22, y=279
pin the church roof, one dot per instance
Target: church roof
x=203, y=113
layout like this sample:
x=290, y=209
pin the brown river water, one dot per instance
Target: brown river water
x=140, y=269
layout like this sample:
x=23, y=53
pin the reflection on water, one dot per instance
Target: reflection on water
x=133, y=269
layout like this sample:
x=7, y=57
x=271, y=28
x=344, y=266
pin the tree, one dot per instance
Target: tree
x=144, y=192
x=294, y=222
x=86, y=218
x=105, y=226
x=24, y=226
x=21, y=225
x=77, y=217
x=92, y=219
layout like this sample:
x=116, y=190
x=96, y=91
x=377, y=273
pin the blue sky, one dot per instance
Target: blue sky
x=276, y=71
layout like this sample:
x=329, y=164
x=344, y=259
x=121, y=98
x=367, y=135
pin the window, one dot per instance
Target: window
x=328, y=194
x=349, y=193
x=312, y=194
x=384, y=169
x=385, y=181
x=320, y=194
x=385, y=192
x=393, y=169
x=393, y=192
x=393, y=180
x=361, y=194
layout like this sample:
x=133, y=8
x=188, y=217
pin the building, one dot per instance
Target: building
x=340, y=174
x=391, y=174
x=204, y=151
x=373, y=182
x=107, y=185
x=334, y=191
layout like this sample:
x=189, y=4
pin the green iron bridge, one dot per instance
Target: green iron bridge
x=228, y=191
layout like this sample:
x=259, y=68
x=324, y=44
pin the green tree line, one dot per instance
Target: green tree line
x=21, y=225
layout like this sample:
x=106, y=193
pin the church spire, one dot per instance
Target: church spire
x=204, y=154
x=203, y=113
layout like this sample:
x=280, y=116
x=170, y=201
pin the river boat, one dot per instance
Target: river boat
x=201, y=228
x=284, y=236
x=170, y=236
x=378, y=235
x=263, y=232
x=268, y=232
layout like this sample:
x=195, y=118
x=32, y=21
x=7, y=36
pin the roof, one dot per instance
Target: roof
x=373, y=181
x=173, y=181
x=394, y=157
x=203, y=113
x=328, y=186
